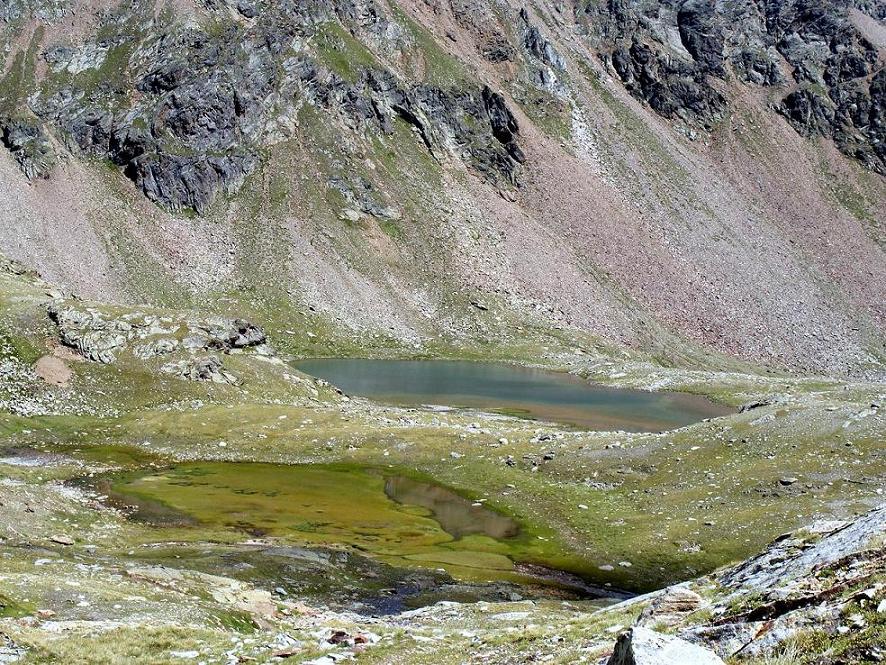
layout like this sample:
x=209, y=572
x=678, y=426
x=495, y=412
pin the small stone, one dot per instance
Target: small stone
x=184, y=655
x=62, y=539
x=857, y=621
x=788, y=480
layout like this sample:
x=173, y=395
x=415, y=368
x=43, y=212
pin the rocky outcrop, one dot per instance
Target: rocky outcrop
x=677, y=55
x=208, y=369
x=642, y=646
x=475, y=124
x=10, y=652
x=29, y=146
x=819, y=581
x=796, y=555
x=188, y=111
x=821, y=578
x=102, y=337
x=159, y=347
x=91, y=334
x=224, y=334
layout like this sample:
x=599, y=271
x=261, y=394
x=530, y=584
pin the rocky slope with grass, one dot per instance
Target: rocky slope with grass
x=702, y=185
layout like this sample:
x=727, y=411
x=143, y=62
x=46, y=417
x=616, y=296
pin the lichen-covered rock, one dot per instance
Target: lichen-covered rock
x=90, y=333
x=10, y=652
x=208, y=369
x=101, y=337
x=642, y=646
x=225, y=334
x=792, y=556
x=29, y=146
x=155, y=348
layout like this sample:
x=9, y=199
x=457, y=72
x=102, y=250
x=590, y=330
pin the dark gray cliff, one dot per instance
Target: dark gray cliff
x=185, y=111
x=678, y=56
x=187, y=108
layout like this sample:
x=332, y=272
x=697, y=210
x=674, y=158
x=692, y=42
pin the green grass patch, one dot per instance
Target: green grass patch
x=343, y=53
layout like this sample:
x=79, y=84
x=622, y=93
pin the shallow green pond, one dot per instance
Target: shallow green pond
x=538, y=394
x=395, y=519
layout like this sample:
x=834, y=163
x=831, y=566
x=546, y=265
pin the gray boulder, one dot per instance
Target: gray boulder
x=641, y=646
x=226, y=334
x=158, y=347
x=208, y=369
x=91, y=334
x=793, y=556
x=10, y=652
x=97, y=345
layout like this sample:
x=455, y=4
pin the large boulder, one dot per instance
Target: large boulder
x=235, y=334
x=796, y=555
x=208, y=369
x=642, y=646
x=90, y=333
x=671, y=607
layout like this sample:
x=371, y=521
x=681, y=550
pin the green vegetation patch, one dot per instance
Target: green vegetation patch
x=397, y=519
x=19, y=80
x=343, y=53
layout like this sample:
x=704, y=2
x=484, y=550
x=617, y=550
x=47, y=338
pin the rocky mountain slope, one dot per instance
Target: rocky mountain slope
x=700, y=183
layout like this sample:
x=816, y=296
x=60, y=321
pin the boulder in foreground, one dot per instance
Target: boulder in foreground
x=642, y=646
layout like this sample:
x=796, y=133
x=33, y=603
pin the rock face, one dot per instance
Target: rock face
x=677, y=56
x=29, y=145
x=816, y=579
x=641, y=646
x=793, y=556
x=10, y=652
x=185, y=111
x=407, y=120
